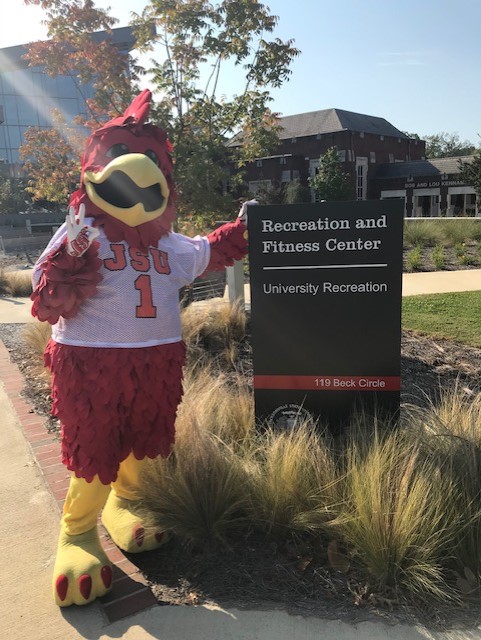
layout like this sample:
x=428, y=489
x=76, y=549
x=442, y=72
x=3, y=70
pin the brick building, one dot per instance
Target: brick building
x=382, y=162
x=364, y=143
x=428, y=187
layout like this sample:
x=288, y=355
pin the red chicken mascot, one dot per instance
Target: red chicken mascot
x=109, y=284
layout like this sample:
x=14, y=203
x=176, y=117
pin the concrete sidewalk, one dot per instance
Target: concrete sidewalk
x=29, y=529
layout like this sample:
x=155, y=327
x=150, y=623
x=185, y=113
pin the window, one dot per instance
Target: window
x=258, y=163
x=341, y=156
x=255, y=185
x=361, y=178
x=294, y=140
x=283, y=160
x=391, y=157
x=372, y=156
x=361, y=134
x=286, y=176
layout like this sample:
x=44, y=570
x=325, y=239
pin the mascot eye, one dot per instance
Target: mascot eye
x=152, y=155
x=116, y=150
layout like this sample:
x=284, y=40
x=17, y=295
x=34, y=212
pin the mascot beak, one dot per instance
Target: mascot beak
x=131, y=188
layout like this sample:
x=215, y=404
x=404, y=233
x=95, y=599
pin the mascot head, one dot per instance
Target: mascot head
x=126, y=181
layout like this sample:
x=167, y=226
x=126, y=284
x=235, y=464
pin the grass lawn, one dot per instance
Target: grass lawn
x=456, y=316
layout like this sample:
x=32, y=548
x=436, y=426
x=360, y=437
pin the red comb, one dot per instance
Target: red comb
x=139, y=108
x=135, y=114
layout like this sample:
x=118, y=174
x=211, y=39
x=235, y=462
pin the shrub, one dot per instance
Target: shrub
x=439, y=257
x=414, y=259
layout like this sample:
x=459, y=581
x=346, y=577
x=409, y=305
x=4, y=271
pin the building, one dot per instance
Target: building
x=428, y=187
x=363, y=142
x=28, y=95
x=382, y=162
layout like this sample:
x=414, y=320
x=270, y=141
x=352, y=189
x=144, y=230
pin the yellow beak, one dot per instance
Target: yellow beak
x=131, y=188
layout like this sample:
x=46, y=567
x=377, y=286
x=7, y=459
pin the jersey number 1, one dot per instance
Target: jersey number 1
x=146, y=308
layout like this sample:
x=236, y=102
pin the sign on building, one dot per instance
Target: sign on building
x=326, y=285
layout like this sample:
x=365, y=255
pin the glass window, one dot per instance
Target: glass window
x=65, y=87
x=14, y=137
x=49, y=85
x=27, y=113
x=11, y=115
x=69, y=108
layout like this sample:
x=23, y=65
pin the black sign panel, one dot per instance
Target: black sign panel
x=326, y=286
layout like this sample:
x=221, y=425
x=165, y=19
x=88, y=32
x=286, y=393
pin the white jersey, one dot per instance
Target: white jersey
x=137, y=301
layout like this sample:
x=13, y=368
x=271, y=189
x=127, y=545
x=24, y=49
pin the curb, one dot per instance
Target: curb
x=130, y=593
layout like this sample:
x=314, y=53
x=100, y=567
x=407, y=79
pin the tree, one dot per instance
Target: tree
x=331, y=182
x=295, y=192
x=52, y=160
x=13, y=196
x=198, y=40
x=445, y=145
x=470, y=173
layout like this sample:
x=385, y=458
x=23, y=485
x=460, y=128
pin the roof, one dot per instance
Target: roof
x=329, y=121
x=430, y=167
x=11, y=58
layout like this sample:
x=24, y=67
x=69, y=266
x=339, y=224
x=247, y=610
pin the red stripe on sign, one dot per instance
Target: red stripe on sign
x=329, y=383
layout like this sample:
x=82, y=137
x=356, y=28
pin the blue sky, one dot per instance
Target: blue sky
x=415, y=63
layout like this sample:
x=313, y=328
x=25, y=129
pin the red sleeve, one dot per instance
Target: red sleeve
x=227, y=244
x=65, y=282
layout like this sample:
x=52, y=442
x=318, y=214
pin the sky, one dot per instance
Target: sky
x=413, y=62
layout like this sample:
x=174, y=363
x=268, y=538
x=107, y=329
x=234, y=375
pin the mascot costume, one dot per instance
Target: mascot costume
x=109, y=284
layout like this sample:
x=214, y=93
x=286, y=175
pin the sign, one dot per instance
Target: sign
x=326, y=284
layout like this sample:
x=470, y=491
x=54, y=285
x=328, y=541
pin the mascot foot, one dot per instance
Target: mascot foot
x=82, y=571
x=126, y=528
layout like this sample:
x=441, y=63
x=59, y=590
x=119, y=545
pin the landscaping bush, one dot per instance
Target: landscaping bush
x=414, y=259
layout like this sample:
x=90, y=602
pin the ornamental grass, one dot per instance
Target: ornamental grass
x=17, y=284
x=402, y=503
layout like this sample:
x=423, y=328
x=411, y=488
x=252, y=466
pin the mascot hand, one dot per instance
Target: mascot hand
x=79, y=235
x=243, y=210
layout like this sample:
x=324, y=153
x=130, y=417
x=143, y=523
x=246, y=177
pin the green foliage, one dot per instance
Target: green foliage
x=331, y=182
x=295, y=192
x=290, y=193
x=450, y=315
x=200, y=40
x=471, y=172
x=13, y=195
x=445, y=145
x=439, y=257
x=414, y=259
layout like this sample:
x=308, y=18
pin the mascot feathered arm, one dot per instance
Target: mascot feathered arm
x=67, y=272
x=228, y=243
